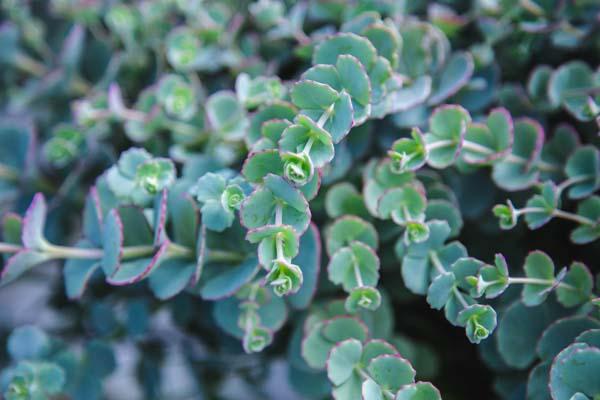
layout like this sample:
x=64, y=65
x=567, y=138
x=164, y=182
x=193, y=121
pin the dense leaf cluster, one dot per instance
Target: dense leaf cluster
x=297, y=176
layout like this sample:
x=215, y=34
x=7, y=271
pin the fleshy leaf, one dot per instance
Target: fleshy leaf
x=171, y=277
x=260, y=164
x=322, y=336
x=447, y=129
x=577, y=288
x=588, y=208
x=488, y=142
x=516, y=175
x=343, y=198
x=21, y=262
x=583, y=167
x=228, y=279
x=562, y=333
x=327, y=52
x=78, y=271
x=347, y=229
x=418, y=391
x=391, y=372
x=440, y=289
x=454, y=75
x=33, y=224
x=545, y=203
x=538, y=266
x=342, y=360
x=575, y=369
x=348, y=262
x=27, y=343
x=311, y=95
x=112, y=242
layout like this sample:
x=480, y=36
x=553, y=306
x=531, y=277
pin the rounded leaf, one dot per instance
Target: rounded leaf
x=562, y=333
x=419, y=391
x=327, y=51
x=583, y=167
x=347, y=229
x=447, y=129
x=574, y=370
x=311, y=95
x=538, y=266
x=342, y=360
x=578, y=285
x=391, y=372
x=354, y=262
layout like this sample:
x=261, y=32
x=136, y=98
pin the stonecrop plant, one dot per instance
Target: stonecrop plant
x=366, y=199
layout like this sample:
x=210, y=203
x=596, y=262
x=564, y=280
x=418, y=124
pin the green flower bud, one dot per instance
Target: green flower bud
x=59, y=152
x=416, y=232
x=366, y=297
x=284, y=277
x=298, y=168
x=155, y=175
x=479, y=321
x=18, y=389
x=177, y=97
x=507, y=215
x=122, y=19
x=476, y=331
x=472, y=280
x=256, y=339
x=408, y=154
x=64, y=146
x=88, y=111
x=183, y=47
x=248, y=316
x=232, y=197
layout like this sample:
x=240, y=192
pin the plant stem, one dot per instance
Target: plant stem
x=325, y=116
x=72, y=252
x=407, y=216
x=179, y=250
x=437, y=263
x=37, y=69
x=223, y=256
x=572, y=181
x=128, y=253
x=278, y=214
x=279, y=246
x=537, y=281
x=357, y=274
x=388, y=394
x=557, y=213
x=308, y=145
x=541, y=165
x=460, y=297
x=10, y=248
x=574, y=217
x=440, y=144
x=137, y=251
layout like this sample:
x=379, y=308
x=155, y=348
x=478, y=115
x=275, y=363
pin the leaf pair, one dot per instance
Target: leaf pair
x=374, y=371
x=354, y=264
